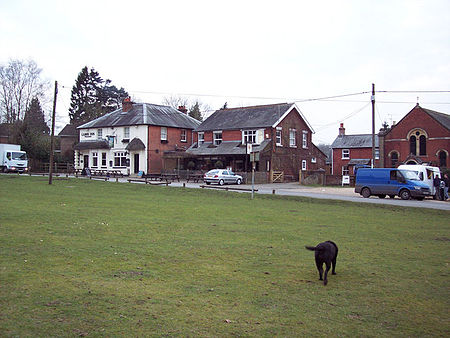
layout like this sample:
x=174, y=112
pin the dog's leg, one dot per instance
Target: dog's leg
x=320, y=268
x=334, y=266
x=325, y=279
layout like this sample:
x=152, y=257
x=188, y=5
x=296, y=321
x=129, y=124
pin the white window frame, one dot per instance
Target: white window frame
x=120, y=159
x=183, y=135
x=293, y=138
x=126, y=132
x=99, y=134
x=345, y=170
x=163, y=133
x=94, y=159
x=345, y=154
x=377, y=153
x=249, y=136
x=216, y=139
x=201, y=138
x=304, y=139
x=313, y=160
x=303, y=165
x=278, y=136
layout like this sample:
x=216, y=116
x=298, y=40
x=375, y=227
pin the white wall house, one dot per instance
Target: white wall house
x=120, y=140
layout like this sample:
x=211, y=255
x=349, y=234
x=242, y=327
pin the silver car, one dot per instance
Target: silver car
x=221, y=177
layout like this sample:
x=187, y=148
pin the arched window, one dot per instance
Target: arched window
x=412, y=145
x=443, y=159
x=417, y=142
x=394, y=159
x=422, y=145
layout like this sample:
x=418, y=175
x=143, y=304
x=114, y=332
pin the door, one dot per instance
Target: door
x=86, y=161
x=136, y=163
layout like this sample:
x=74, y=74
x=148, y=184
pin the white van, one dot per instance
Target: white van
x=426, y=173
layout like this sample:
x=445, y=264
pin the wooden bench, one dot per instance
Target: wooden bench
x=226, y=188
x=146, y=181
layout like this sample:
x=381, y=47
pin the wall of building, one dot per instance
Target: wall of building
x=355, y=153
x=438, y=137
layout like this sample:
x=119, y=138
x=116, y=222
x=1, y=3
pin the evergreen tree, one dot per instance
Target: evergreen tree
x=93, y=97
x=195, y=112
x=34, y=118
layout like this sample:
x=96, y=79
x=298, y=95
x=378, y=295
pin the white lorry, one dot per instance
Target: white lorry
x=426, y=174
x=12, y=158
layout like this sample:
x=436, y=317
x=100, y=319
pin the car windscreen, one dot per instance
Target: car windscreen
x=19, y=156
x=410, y=175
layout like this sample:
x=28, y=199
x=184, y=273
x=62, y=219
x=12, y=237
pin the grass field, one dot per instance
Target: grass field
x=97, y=258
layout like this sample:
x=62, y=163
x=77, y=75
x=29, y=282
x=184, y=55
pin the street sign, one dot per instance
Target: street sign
x=249, y=148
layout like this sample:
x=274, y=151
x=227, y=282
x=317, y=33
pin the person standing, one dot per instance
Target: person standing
x=447, y=183
x=437, y=187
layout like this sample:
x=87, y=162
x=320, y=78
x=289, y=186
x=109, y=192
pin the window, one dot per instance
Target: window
x=394, y=159
x=163, y=133
x=249, y=136
x=292, y=138
x=303, y=164
x=305, y=139
x=377, y=153
x=99, y=134
x=345, y=171
x=103, y=159
x=418, y=142
x=442, y=159
x=201, y=138
x=217, y=137
x=119, y=159
x=345, y=154
x=313, y=160
x=183, y=135
x=95, y=159
x=422, y=145
x=412, y=145
x=126, y=132
x=278, y=136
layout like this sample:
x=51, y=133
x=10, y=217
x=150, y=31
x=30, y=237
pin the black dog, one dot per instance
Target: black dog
x=325, y=252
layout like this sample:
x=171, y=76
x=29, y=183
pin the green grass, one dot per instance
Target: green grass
x=97, y=258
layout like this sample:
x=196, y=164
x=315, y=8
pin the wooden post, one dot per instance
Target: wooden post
x=52, y=140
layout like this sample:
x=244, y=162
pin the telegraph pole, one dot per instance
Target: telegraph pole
x=52, y=142
x=373, y=124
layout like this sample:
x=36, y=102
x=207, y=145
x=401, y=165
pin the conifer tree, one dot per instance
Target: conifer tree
x=34, y=118
x=195, y=112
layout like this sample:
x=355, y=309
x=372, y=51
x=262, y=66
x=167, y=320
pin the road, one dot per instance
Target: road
x=332, y=193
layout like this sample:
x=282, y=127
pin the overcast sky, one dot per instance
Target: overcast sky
x=245, y=53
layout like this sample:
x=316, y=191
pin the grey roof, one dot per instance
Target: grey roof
x=135, y=144
x=246, y=117
x=354, y=141
x=442, y=118
x=144, y=114
x=70, y=130
x=225, y=148
x=97, y=144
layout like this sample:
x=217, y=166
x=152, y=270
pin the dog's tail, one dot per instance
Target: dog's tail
x=312, y=248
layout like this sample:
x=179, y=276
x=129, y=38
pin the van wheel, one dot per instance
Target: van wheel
x=381, y=196
x=405, y=194
x=365, y=192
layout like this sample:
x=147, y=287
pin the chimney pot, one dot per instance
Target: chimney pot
x=127, y=104
x=183, y=109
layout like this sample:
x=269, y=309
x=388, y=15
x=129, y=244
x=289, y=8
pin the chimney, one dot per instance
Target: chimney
x=127, y=104
x=341, y=130
x=183, y=109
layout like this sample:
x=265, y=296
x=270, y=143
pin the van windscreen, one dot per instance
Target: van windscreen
x=410, y=175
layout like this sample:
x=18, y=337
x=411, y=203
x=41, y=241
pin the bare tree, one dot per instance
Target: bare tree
x=20, y=82
x=175, y=101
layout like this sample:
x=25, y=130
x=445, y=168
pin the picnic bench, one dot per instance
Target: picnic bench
x=147, y=181
x=195, y=177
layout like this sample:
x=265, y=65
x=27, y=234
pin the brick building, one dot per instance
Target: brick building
x=351, y=151
x=280, y=137
x=134, y=138
x=422, y=136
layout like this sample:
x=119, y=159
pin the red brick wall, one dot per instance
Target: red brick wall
x=355, y=153
x=397, y=138
x=156, y=147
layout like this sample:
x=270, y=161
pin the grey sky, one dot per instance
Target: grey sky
x=244, y=52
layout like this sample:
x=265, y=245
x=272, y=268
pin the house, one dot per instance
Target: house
x=68, y=137
x=279, y=135
x=421, y=136
x=133, y=138
x=351, y=151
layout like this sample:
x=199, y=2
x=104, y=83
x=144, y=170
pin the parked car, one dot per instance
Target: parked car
x=221, y=177
x=389, y=181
